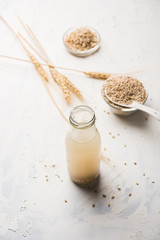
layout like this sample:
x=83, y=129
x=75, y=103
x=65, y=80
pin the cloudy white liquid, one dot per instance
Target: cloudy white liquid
x=83, y=154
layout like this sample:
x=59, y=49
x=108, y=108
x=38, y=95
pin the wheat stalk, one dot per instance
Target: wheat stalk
x=65, y=90
x=72, y=87
x=64, y=78
x=59, y=78
x=44, y=76
x=30, y=45
x=56, y=76
x=95, y=75
x=64, y=81
x=98, y=75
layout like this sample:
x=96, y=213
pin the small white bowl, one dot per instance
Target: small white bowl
x=86, y=52
x=119, y=110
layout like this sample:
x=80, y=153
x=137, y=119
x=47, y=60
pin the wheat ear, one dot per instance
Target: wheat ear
x=98, y=75
x=40, y=70
x=57, y=77
x=53, y=72
x=38, y=44
x=70, y=84
x=72, y=87
x=43, y=74
x=63, y=81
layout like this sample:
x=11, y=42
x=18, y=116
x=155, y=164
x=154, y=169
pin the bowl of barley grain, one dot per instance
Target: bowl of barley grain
x=82, y=41
x=123, y=89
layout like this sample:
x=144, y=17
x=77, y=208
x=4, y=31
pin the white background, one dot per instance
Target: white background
x=32, y=131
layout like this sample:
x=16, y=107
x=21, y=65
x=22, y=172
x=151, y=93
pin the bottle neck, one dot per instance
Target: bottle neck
x=82, y=117
x=83, y=135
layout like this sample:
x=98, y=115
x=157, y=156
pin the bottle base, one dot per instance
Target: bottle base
x=87, y=183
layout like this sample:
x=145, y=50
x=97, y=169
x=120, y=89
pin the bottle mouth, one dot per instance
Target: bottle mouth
x=82, y=117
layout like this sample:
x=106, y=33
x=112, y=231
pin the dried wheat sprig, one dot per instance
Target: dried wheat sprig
x=45, y=79
x=64, y=81
x=91, y=74
x=38, y=67
x=40, y=70
x=43, y=64
x=43, y=74
x=55, y=75
x=58, y=77
x=98, y=75
x=50, y=65
x=72, y=87
x=65, y=90
x=53, y=100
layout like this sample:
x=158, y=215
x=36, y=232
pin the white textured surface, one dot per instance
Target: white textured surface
x=32, y=131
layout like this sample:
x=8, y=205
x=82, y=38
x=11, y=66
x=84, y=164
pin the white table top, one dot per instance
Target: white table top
x=32, y=131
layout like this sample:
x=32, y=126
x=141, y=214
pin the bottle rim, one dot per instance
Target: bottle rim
x=82, y=124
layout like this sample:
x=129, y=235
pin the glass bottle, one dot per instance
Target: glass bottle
x=83, y=146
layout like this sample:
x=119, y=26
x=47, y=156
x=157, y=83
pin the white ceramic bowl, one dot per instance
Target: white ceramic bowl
x=117, y=109
x=86, y=52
